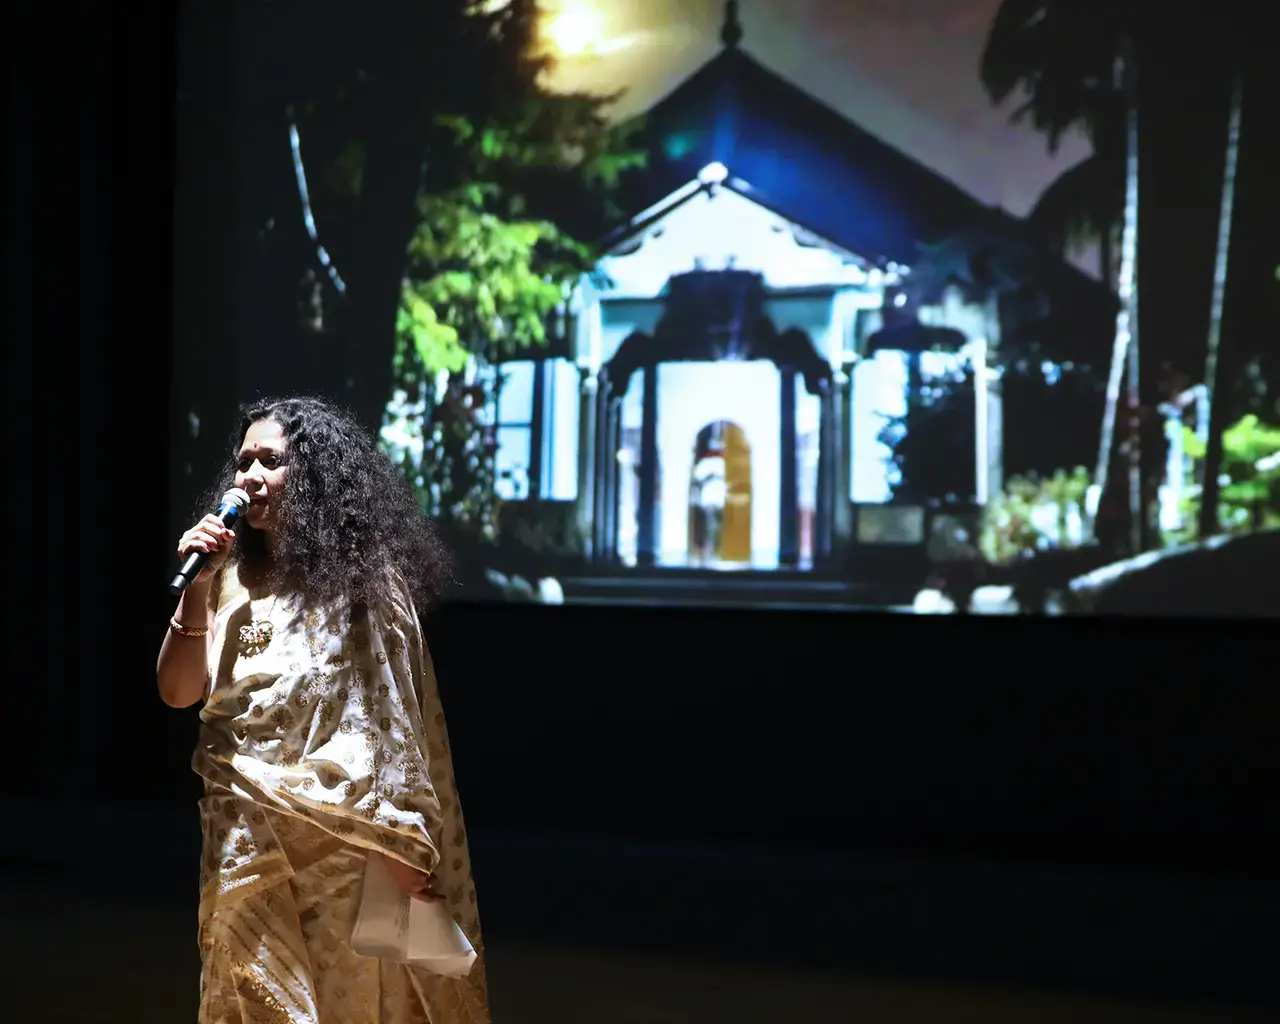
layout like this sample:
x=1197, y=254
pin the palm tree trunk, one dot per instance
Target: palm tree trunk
x=1209, y=520
x=1124, y=351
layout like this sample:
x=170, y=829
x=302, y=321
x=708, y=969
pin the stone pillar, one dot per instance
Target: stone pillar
x=995, y=430
x=588, y=385
x=538, y=429
x=647, y=527
x=788, y=499
x=913, y=491
x=989, y=426
x=609, y=478
x=823, y=512
x=994, y=389
x=600, y=483
x=842, y=508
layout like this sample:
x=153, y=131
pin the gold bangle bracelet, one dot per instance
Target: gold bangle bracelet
x=182, y=630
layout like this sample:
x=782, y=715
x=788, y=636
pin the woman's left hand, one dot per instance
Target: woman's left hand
x=412, y=882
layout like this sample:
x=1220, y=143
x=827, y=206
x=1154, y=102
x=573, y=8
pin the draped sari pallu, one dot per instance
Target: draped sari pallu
x=317, y=748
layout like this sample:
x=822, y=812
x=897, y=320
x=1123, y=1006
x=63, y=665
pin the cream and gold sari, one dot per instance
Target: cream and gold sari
x=318, y=745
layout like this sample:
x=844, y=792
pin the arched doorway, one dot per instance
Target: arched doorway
x=713, y=356
x=720, y=497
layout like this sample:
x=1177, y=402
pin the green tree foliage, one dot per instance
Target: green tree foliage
x=459, y=197
x=487, y=270
x=418, y=118
x=1249, y=497
x=489, y=261
x=1058, y=60
x=1033, y=513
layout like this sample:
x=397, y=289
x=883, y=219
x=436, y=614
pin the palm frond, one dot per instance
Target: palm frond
x=1084, y=203
x=1057, y=58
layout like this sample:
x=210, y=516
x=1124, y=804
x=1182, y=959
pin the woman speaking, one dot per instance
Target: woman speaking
x=322, y=739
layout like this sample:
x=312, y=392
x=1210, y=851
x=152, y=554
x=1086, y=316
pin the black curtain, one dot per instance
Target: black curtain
x=89, y=208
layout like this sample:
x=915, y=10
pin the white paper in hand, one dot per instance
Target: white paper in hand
x=393, y=926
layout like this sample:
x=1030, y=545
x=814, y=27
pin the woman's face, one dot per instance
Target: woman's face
x=261, y=470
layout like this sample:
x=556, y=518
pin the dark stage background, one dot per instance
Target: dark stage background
x=1132, y=750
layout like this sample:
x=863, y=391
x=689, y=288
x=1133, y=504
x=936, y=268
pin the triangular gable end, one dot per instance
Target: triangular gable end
x=717, y=222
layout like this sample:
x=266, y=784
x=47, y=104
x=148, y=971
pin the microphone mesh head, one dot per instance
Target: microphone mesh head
x=238, y=497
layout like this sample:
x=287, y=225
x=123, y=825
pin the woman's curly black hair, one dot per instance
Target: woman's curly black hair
x=347, y=518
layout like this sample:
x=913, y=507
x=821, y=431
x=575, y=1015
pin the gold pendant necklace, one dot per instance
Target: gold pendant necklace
x=255, y=636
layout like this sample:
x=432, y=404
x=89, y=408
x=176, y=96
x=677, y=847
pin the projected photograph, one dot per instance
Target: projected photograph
x=826, y=305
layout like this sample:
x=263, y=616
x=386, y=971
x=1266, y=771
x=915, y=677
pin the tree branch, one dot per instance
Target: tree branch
x=308, y=218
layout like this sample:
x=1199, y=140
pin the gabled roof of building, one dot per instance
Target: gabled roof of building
x=803, y=159
x=820, y=170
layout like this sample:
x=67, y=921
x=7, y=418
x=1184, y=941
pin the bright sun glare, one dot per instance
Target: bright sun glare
x=574, y=29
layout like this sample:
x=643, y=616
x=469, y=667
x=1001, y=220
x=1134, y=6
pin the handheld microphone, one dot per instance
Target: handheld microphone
x=230, y=508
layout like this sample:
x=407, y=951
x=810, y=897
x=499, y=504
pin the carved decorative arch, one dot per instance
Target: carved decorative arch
x=909, y=335
x=714, y=316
